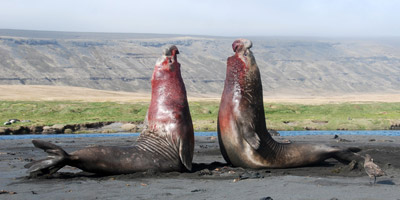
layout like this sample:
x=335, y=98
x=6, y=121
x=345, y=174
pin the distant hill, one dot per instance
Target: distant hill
x=124, y=62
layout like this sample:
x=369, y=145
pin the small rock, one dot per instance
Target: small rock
x=205, y=172
x=48, y=130
x=129, y=127
x=343, y=140
x=339, y=139
x=58, y=128
x=273, y=132
x=206, y=111
x=68, y=131
x=4, y=131
x=7, y=192
x=372, y=140
x=337, y=170
x=14, y=120
x=286, y=141
x=266, y=198
x=212, y=138
x=198, y=190
x=109, y=131
x=250, y=175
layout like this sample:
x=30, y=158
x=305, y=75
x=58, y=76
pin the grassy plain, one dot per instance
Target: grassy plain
x=47, y=105
x=279, y=116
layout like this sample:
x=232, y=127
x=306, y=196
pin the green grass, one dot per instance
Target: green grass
x=56, y=112
x=366, y=116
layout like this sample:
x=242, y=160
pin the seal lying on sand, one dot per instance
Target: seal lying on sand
x=166, y=144
x=243, y=136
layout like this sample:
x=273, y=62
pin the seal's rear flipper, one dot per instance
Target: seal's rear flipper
x=348, y=155
x=56, y=159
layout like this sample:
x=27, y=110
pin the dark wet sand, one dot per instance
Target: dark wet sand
x=210, y=179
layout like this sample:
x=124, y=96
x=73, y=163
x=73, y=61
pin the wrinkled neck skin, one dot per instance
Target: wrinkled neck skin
x=168, y=107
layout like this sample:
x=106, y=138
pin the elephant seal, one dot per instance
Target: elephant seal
x=166, y=144
x=243, y=136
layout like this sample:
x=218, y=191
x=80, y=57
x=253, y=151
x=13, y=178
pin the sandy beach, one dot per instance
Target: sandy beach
x=211, y=178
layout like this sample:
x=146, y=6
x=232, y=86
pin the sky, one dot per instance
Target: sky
x=323, y=18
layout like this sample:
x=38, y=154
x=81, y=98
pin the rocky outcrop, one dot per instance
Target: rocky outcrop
x=395, y=127
x=71, y=128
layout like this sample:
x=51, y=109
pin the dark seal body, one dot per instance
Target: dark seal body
x=242, y=132
x=166, y=144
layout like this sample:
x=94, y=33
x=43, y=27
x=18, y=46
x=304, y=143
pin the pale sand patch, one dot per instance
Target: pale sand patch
x=67, y=93
x=335, y=98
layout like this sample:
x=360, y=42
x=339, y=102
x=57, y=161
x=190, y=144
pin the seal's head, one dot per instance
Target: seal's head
x=168, y=61
x=241, y=45
x=241, y=65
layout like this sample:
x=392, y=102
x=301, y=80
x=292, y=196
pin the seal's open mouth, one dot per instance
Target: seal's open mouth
x=168, y=58
x=241, y=45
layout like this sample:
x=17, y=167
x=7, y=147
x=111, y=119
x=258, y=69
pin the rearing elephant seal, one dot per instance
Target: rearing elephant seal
x=166, y=144
x=243, y=136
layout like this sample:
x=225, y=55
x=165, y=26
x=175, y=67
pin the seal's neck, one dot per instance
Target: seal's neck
x=168, y=99
x=243, y=88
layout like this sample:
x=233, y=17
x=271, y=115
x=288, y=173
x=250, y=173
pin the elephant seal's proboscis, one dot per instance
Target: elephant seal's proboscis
x=243, y=136
x=166, y=144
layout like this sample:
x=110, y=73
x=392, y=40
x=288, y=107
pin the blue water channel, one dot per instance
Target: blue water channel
x=282, y=133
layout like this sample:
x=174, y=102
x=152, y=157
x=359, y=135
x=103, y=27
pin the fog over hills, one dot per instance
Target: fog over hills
x=124, y=62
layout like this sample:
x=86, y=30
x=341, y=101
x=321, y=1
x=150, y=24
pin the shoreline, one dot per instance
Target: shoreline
x=116, y=127
x=337, y=135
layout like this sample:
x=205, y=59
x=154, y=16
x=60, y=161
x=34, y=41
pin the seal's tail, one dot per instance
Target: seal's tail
x=56, y=159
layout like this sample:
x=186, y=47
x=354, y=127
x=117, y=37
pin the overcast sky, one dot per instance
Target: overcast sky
x=207, y=17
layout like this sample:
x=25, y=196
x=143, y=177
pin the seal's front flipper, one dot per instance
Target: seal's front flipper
x=250, y=135
x=186, y=154
x=56, y=159
x=253, y=139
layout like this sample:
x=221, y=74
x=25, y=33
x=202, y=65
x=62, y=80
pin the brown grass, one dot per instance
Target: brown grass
x=66, y=93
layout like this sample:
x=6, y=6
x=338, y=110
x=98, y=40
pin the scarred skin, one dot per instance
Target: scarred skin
x=243, y=136
x=166, y=144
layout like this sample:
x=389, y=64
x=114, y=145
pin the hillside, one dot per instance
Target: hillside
x=124, y=62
